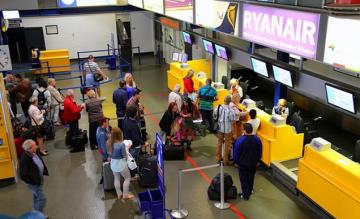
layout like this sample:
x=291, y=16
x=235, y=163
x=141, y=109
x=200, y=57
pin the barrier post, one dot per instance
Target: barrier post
x=180, y=212
x=222, y=204
x=81, y=85
x=78, y=55
x=139, y=55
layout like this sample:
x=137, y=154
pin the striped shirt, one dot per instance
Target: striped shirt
x=227, y=116
x=91, y=68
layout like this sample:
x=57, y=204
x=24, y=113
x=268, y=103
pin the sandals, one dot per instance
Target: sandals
x=128, y=197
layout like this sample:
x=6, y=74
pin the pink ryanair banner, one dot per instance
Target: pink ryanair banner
x=180, y=9
x=287, y=30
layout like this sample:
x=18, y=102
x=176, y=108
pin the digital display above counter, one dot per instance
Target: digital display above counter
x=259, y=67
x=208, y=46
x=84, y=3
x=282, y=75
x=342, y=50
x=286, y=30
x=180, y=9
x=187, y=37
x=340, y=98
x=156, y=6
x=136, y=3
x=217, y=15
x=221, y=52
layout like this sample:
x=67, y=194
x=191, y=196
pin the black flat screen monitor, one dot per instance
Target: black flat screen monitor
x=282, y=75
x=340, y=98
x=187, y=37
x=259, y=67
x=221, y=52
x=208, y=46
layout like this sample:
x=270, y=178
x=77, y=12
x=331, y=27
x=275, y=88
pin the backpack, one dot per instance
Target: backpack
x=41, y=97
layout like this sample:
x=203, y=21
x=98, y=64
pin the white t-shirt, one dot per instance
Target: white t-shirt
x=255, y=124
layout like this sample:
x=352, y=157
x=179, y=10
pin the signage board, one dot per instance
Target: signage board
x=136, y=3
x=342, y=43
x=156, y=6
x=180, y=9
x=159, y=144
x=217, y=15
x=286, y=30
x=83, y=3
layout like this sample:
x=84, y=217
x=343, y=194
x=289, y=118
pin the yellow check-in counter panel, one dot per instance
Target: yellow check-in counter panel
x=330, y=180
x=280, y=142
x=58, y=60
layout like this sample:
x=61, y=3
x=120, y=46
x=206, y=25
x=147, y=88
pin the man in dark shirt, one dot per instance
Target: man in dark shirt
x=120, y=98
x=247, y=155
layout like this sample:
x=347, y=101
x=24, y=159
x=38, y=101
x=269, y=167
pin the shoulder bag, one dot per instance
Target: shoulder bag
x=97, y=76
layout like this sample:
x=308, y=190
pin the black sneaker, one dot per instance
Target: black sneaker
x=243, y=197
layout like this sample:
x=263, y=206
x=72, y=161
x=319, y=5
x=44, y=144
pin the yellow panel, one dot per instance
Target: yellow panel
x=222, y=93
x=332, y=181
x=54, y=58
x=6, y=169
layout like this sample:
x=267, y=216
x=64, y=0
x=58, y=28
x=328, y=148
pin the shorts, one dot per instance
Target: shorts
x=90, y=81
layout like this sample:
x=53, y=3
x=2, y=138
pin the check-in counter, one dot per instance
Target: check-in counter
x=330, y=179
x=178, y=71
x=57, y=60
x=280, y=142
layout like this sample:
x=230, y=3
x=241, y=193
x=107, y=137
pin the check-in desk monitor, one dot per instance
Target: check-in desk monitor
x=277, y=120
x=249, y=103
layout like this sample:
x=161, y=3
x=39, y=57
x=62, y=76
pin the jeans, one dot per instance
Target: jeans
x=39, y=199
x=247, y=175
x=120, y=120
x=223, y=137
x=207, y=117
x=117, y=182
x=92, y=133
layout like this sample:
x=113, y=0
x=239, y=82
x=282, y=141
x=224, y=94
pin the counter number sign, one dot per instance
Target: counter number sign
x=5, y=59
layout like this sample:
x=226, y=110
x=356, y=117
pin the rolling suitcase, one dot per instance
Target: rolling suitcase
x=147, y=171
x=174, y=151
x=108, y=176
x=49, y=129
x=78, y=142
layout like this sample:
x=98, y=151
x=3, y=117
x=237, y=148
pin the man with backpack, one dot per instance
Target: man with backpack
x=43, y=95
x=207, y=95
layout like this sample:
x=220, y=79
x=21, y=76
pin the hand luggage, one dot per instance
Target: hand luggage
x=49, y=128
x=108, y=176
x=174, y=150
x=214, y=187
x=78, y=141
x=147, y=171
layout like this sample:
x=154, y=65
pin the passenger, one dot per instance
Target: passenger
x=168, y=119
x=37, y=120
x=131, y=131
x=57, y=101
x=235, y=88
x=102, y=138
x=135, y=100
x=95, y=114
x=91, y=68
x=176, y=97
x=43, y=95
x=281, y=109
x=207, y=95
x=23, y=92
x=241, y=116
x=189, y=90
x=225, y=118
x=72, y=114
x=247, y=155
x=130, y=85
x=120, y=98
x=32, y=172
x=255, y=122
x=10, y=84
x=119, y=156
x=188, y=113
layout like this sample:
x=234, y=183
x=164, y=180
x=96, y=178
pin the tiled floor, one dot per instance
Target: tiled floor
x=73, y=189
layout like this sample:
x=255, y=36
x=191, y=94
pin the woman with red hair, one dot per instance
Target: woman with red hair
x=168, y=118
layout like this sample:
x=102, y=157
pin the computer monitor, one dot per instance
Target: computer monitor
x=259, y=67
x=221, y=52
x=14, y=14
x=180, y=57
x=175, y=56
x=208, y=46
x=187, y=37
x=340, y=98
x=282, y=75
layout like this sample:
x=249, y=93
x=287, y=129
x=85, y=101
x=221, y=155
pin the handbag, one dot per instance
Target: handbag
x=97, y=76
x=131, y=162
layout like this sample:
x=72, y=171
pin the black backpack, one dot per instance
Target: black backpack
x=41, y=97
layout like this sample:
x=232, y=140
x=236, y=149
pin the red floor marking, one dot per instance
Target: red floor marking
x=193, y=163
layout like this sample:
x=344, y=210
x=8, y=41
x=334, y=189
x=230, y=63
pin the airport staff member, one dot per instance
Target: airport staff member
x=247, y=155
x=32, y=172
x=281, y=109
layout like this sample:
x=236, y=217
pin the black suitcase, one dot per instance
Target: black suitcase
x=147, y=171
x=79, y=141
x=174, y=151
x=49, y=129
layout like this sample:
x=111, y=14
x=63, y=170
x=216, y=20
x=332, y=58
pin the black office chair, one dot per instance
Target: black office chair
x=356, y=155
x=292, y=108
x=298, y=122
x=311, y=129
x=225, y=81
x=244, y=86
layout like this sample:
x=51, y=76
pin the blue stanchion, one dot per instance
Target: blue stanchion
x=63, y=79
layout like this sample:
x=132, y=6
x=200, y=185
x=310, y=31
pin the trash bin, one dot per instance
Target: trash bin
x=157, y=204
x=144, y=201
x=111, y=62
